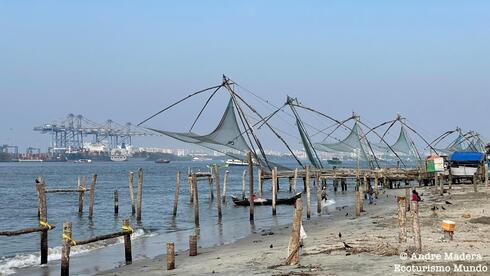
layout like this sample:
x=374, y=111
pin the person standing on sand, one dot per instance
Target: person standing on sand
x=370, y=194
x=415, y=196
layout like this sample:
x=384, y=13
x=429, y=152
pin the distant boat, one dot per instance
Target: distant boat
x=83, y=161
x=30, y=160
x=119, y=155
x=235, y=162
x=197, y=159
x=162, y=161
x=334, y=161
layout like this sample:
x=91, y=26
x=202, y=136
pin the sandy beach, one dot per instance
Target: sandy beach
x=373, y=238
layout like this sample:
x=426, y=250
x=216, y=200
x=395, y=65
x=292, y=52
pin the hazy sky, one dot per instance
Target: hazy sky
x=429, y=60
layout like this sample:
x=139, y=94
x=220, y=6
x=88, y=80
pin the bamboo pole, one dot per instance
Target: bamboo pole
x=402, y=218
x=416, y=226
x=170, y=256
x=131, y=191
x=140, y=194
x=308, y=193
x=294, y=242
x=407, y=199
x=92, y=196
x=116, y=202
x=218, y=191
x=128, y=256
x=193, y=245
x=225, y=183
x=251, y=184
x=260, y=181
x=274, y=190
x=177, y=190
x=196, y=199
x=318, y=194
x=65, y=252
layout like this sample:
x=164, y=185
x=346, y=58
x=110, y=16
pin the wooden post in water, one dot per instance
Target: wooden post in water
x=43, y=219
x=274, y=190
x=243, y=182
x=416, y=226
x=81, y=194
x=193, y=245
x=116, y=202
x=65, y=251
x=140, y=194
x=260, y=181
x=402, y=218
x=225, y=183
x=170, y=256
x=131, y=192
x=189, y=182
x=318, y=194
x=128, y=256
x=308, y=193
x=196, y=199
x=295, y=179
x=210, y=182
x=218, y=192
x=251, y=184
x=294, y=242
x=177, y=190
x=92, y=197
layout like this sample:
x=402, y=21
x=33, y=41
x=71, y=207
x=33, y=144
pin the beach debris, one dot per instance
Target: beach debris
x=442, y=207
x=271, y=246
x=447, y=202
x=340, y=235
x=346, y=246
x=466, y=215
x=346, y=214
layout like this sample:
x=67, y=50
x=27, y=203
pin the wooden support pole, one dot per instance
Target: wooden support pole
x=450, y=180
x=43, y=218
x=225, y=183
x=416, y=226
x=376, y=188
x=81, y=195
x=131, y=192
x=441, y=183
x=402, y=218
x=170, y=256
x=218, y=191
x=475, y=183
x=318, y=194
x=196, y=199
x=366, y=185
x=193, y=245
x=244, y=174
x=116, y=202
x=177, y=190
x=65, y=251
x=358, y=202
x=251, y=184
x=128, y=256
x=189, y=182
x=407, y=199
x=308, y=193
x=294, y=242
x=92, y=196
x=140, y=194
x=260, y=181
x=274, y=190
x=295, y=179
x=486, y=174
x=210, y=182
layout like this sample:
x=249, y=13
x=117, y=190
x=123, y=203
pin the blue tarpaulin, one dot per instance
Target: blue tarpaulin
x=467, y=156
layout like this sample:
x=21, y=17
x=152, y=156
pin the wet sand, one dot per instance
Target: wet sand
x=374, y=238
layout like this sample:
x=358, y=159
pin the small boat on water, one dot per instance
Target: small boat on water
x=83, y=161
x=162, y=161
x=263, y=201
x=235, y=162
x=334, y=161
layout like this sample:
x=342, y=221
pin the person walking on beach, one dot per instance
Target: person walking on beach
x=415, y=196
x=370, y=194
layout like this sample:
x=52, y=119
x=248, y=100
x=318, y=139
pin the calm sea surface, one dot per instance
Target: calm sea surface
x=18, y=209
